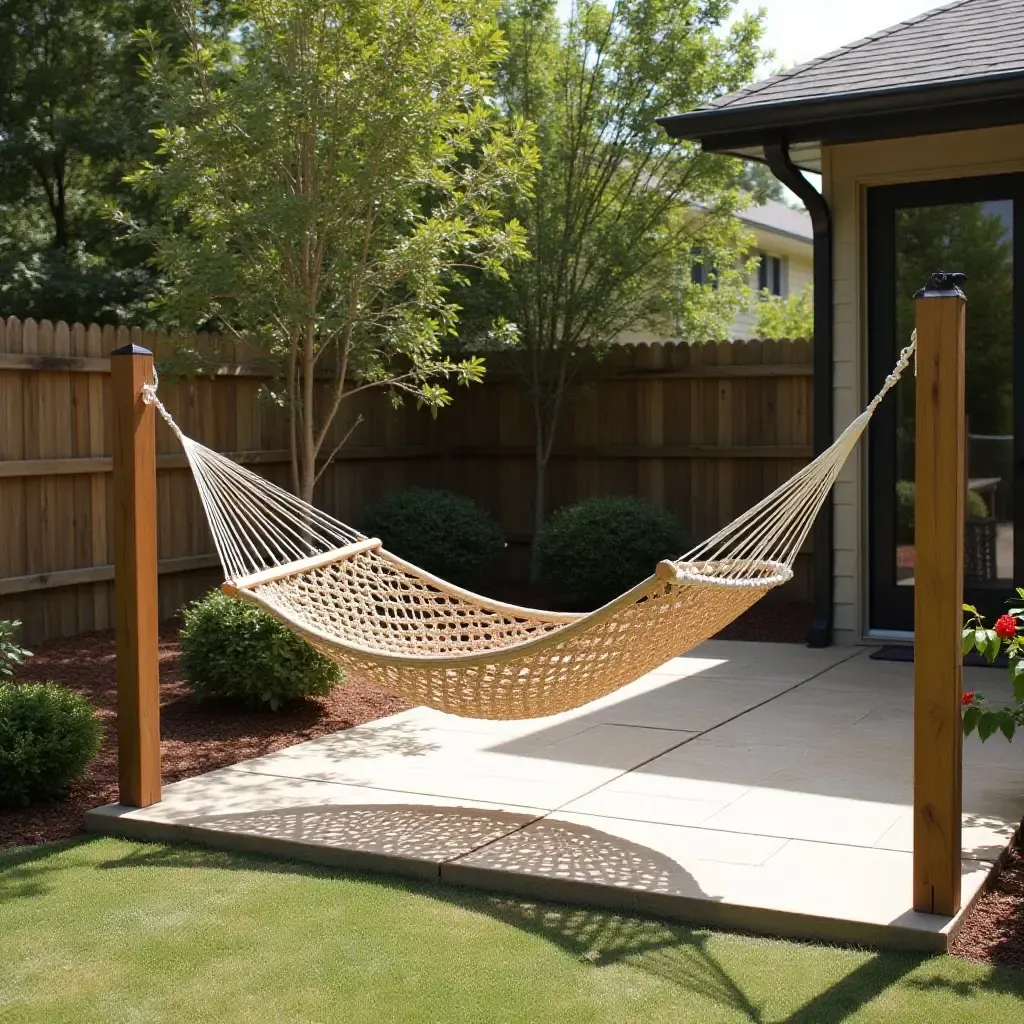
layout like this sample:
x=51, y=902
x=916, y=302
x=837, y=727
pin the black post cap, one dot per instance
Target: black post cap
x=942, y=285
x=131, y=350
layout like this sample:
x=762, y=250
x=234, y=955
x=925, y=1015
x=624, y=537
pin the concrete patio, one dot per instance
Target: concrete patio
x=756, y=786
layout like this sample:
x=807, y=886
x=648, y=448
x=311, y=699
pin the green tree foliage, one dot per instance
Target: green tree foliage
x=619, y=212
x=326, y=173
x=759, y=181
x=74, y=117
x=792, y=317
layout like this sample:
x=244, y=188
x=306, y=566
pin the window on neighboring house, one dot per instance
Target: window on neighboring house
x=769, y=274
x=702, y=270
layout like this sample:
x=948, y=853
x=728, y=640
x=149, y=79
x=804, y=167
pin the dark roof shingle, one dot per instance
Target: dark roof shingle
x=964, y=40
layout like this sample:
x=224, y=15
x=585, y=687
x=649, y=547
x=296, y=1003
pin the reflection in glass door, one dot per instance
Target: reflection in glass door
x=914, y=230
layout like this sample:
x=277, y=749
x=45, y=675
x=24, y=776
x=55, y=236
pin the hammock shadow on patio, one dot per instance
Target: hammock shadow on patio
x=508, y=841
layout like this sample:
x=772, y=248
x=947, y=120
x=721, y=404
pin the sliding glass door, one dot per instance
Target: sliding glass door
x=976, y=226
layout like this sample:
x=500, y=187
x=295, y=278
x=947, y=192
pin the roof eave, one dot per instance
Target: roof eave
x=856, y=116
x=807, y=240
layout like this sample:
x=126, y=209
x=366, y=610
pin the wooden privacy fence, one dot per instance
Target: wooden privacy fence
x=704, y=430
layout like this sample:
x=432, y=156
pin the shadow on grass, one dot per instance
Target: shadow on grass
x=858, y=988
x=24, y=870
x=1000, y=980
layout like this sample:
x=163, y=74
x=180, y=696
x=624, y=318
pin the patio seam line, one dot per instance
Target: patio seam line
x=699, y=735
x=617, y=725
x=382, y=789
x=735, y=832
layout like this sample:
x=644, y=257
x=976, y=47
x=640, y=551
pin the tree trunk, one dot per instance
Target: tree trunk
x=540, y=480
x=307, y=474
x=60, y=214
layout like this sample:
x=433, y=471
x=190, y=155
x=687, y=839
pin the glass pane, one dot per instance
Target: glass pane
x=976, y=238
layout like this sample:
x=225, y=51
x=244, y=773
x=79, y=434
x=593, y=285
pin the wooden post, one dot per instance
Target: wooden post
x=135, y=578
x=938, y=593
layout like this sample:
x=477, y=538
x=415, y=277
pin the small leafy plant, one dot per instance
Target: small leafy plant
x=233, y=649
x=1003, y=636
x=12, y=655
x=48, y=736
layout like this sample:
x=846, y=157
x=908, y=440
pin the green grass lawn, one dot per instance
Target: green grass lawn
x=108, y=931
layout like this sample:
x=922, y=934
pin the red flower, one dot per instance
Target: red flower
x=967, y=697
x=1006, y=627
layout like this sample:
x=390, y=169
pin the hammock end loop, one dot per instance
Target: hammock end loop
x=666, y=571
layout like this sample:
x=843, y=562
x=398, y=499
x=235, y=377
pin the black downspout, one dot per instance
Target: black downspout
x=777, y=157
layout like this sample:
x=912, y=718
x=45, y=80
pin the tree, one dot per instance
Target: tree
x=74, y=118
x=759, y=181
x=327, y=172
x=792, y=317
x=619, y=212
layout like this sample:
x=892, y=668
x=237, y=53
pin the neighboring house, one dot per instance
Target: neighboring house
x=784, y=245
x=918, y=134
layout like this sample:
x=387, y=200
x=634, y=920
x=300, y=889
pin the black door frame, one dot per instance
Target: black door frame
x=890, y=607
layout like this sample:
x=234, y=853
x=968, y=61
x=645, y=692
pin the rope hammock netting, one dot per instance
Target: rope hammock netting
x=436, y=644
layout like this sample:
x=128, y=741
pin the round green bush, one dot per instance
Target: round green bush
x=233, y=649
x=446, y=534
x=976, y=509
x=48, y=736
x=600, y=547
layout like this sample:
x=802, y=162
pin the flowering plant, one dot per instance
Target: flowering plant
x=1003, y=637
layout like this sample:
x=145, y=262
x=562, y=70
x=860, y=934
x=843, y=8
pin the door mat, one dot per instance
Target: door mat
x=905, y=652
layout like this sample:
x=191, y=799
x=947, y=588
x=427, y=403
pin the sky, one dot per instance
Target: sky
x=799, y=30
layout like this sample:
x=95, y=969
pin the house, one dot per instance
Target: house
x=918, y=134
x=784, y=243
x=784, y=248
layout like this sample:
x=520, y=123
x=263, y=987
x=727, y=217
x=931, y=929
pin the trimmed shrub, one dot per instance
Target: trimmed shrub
x=233, y=649
x=600, y=547
x=48, y=736
x=976, y=509
x=445, y=534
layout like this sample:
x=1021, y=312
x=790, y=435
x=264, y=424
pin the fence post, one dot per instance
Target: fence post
x=938, y=592
x=135, y=578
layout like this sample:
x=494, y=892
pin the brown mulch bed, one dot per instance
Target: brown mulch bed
x=196, y=738
x=994, y=931
x=772, y=621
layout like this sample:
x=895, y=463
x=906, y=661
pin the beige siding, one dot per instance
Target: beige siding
x=743, y=325
x=801, y=273
x=848, y=171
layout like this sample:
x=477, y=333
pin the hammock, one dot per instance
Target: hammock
x=439, y=645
